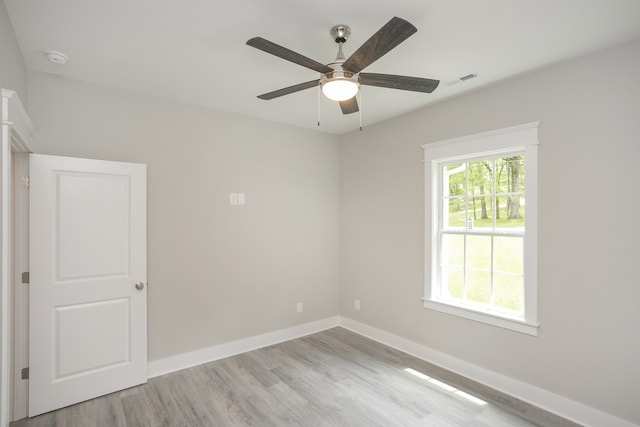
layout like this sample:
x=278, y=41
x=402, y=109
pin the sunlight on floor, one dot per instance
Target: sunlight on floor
x=446, y=387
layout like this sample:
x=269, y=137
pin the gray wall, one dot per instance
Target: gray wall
x=13, y=71
x=588, y=346
x=217, y=273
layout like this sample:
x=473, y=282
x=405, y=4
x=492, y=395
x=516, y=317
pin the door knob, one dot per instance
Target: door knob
x=139, y=286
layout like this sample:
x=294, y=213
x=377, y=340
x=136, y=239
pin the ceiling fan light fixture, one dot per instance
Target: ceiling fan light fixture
x=339, y=89
x=340, y=86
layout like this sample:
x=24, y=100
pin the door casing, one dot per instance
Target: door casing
x=17, y=134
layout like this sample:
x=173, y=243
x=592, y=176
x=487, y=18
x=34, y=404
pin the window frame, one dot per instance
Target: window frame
x=522, y=138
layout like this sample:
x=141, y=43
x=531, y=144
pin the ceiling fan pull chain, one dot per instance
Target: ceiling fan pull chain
x=319, y=96
x=360, y=109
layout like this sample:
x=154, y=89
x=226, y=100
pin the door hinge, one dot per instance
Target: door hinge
x=24, y=374
x=26, y=181
x=25, y=278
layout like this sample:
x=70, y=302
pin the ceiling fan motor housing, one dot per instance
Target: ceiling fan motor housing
x=339, y=73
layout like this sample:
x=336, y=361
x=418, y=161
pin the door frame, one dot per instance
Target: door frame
x=20, y=251
x=17, y=134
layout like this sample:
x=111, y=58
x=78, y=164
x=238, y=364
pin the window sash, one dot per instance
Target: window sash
x=443, y=266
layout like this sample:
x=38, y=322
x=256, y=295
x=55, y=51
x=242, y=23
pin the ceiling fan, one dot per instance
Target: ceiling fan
x=341, y=79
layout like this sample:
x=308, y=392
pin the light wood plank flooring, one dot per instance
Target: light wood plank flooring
x=332, y=378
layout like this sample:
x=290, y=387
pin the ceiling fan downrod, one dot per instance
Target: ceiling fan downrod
x=340, y=34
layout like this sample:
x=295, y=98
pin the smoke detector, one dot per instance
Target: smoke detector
x=57, y=57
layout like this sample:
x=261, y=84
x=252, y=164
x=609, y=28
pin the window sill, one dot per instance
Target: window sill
x=513, y=324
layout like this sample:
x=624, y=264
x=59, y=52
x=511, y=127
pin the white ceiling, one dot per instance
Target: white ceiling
x=194, y=50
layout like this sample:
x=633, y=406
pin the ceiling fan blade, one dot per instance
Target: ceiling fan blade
x=389, y=36
x=287, y=54
x=349, y=106
x=290, y=89
x=416, y=84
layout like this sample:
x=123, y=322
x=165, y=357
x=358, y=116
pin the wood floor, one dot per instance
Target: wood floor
x=332, y=378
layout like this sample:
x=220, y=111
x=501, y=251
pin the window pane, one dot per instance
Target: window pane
x=479, y=286
x=478, y=252
x=455, y=282
x=453, y=250
x=454, y=182
x=511, y=211
x=502, y=175
x=517, y=173
x=508, y=254
x=480, y=212
x=481, y=178
x=455, y=216
x=508, y=292
x=510, y=174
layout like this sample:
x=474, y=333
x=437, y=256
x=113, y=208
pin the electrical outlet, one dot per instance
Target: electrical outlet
x=356, y=304
x=233, y=198
x=299, y=307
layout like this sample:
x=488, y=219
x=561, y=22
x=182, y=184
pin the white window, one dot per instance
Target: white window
x=481, y=226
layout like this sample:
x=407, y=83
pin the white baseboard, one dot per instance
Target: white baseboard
x=566, y=408
x=209, y=354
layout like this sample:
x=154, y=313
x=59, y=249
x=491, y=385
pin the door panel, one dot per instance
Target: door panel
x=93, y=216
x=88, y=250
x=79, y=349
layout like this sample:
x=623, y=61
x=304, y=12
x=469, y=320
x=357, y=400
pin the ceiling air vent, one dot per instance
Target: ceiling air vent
x=462, y=79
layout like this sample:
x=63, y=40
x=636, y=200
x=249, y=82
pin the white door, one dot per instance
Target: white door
x=88, y=296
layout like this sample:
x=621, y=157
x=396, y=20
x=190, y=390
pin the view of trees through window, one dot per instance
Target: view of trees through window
x=469, y=188
x=482, y=234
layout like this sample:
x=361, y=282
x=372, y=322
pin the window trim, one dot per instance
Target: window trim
x=523, y=137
